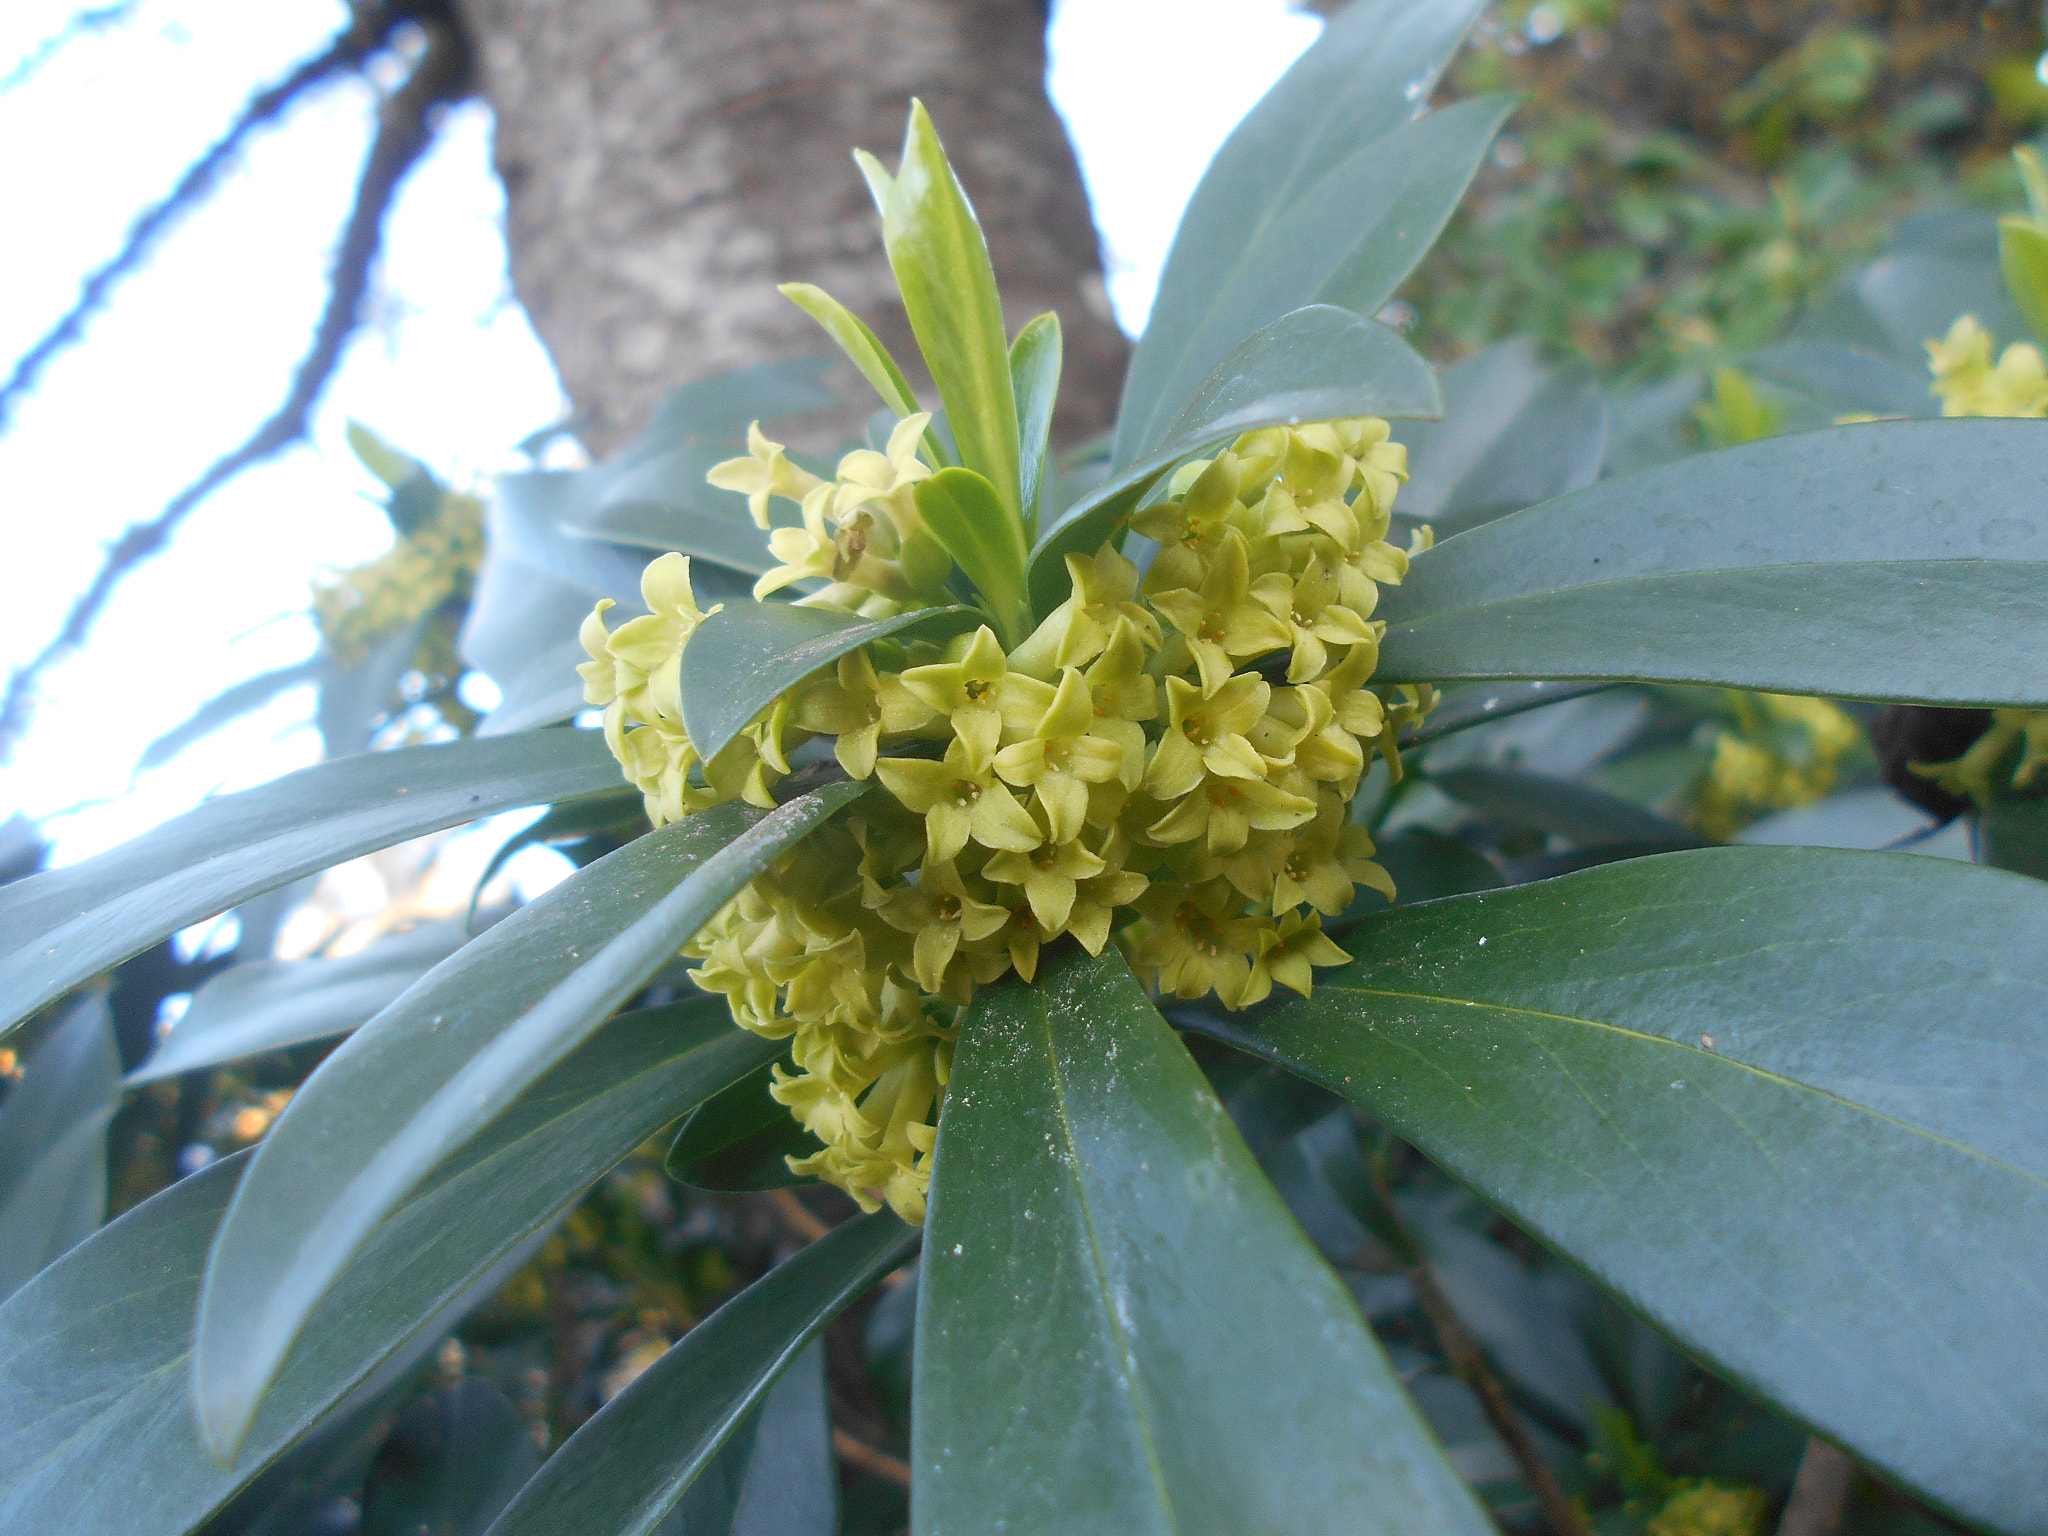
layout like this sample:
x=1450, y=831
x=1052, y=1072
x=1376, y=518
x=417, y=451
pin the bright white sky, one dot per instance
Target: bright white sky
x=198, y=348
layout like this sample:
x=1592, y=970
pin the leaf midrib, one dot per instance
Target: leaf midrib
x=1140, y=1410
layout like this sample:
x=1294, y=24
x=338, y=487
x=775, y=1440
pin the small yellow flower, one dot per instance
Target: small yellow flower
x=1080, y=629
x=941, y=913
x=1050, y=875
x=1308, y=605
x=1220, y=623
x=960, y=798
x=1062, y=757
x=1286, y=954
x=1223, y=813
x=764, y=472
x=979, y=693
x=1208, y=736
x=1194, y=941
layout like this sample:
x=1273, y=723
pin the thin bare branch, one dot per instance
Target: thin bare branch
x=85, y=23
x=405, y=130
x=869, y=1459
x=345, y=53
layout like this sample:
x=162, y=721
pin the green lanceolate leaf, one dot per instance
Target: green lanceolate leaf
x=268, y=1005
x=1035, y=358
x=1348, y=240
x=1317, y=363
x=1371, y=71
x=2023, y=260
x=1786, y=1101
x=865, y=350
x=92, y=1412
x=53, y=1143
x=1175, y=1357
x=1894, y=560
x=546, y=691
x=63, y=927
x=427, y=1075
x=741, y=1139
x=741, y=659
x=967, y=517
x=628, y=1467
x=949, y=291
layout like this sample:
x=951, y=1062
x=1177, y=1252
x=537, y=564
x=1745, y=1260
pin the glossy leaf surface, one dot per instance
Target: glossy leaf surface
x=1767, y=1096
x=1464, y=708
x=1371, y=71
x=92, y=1415
x=1788, y=565
x=415, y=1084
x=942, y=268
x=965, y=515
x=63, y=927
x=625, y=1469
x=1035, y=358
x=740, y=1139
x=267, y=1005
x=1314, y=364
x=738, y=661
x=1349, y=238
x=1173, y=1354
x=1587, y=815
x=53, y=1142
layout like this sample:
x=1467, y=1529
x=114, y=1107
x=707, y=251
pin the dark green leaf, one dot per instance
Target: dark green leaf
x=266, y=1005
x=454, y=1460
x=942, y=268
x=965, y=515
x=1371, y=71
x=1767, y=1096
x=740, y=1139
x=664, y=503
x=1791, y=565
x=426, y=1076
x=2013, y=834
x=1842, y=378
x=1514, y=432
x=1586, y=815
x=1424, y=866
x=1312, y=365
x=627, y=1467
x=1172, y=1354
x=53, y=1143
x=740, y=659
x=1035, y=358
x=355, y=702
x=70, y=924
x=792, y=1482
x=1349, y=239
x=228, y=706
x=91, y=1413
x=618, y=817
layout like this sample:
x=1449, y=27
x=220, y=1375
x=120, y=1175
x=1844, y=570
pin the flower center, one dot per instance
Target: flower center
x=977, y=689
x=965, y=792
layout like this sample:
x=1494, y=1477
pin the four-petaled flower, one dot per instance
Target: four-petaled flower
x=1221, y=624
x=980, y=693
x=1049, y=874
x=940, y=912
x=1062, y=757
x=1307, y=604
x=1208, y=735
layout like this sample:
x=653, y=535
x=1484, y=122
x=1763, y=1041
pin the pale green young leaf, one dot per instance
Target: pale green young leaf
x=941, y=264
x=1035, y=358
x=2023, y=260
x=967, y=516
x=865, y=350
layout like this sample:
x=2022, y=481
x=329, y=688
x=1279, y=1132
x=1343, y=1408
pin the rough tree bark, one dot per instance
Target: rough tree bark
x=667, y=162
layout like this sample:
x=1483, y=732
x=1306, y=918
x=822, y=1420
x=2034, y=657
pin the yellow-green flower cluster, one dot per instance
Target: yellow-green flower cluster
x=1775, y=751
x=437, y=561
x=1167, y=762
x=1968, y=383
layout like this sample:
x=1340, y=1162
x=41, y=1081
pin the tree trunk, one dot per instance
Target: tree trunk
x=668, y=162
